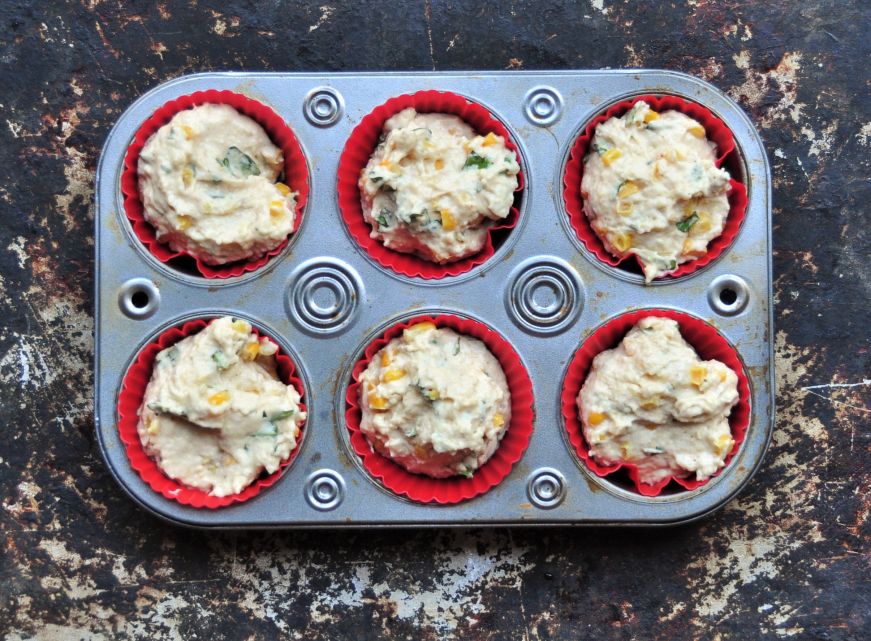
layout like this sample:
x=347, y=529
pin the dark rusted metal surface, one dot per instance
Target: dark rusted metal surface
x=788, y=558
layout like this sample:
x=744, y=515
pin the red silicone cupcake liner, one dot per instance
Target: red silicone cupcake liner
x=716, y=132
x=359, y=149
x=295, y=170
x=130, y=400
x=447, y=491
x=709, y=344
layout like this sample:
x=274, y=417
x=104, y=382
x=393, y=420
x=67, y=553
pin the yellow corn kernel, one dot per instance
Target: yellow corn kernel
x=370, y=386
x=724, y=444
x=385, y=358
x=723, y=377
x=284, y=189
x=657, y=170
x=241, y=326
x=377, y=402
x=467, y=146
x=697, y=130
x=627, y=188
x=622, y=242
x=153, y=427
x=650, y=403
x=624, y=208
x=425, y=326
x=393, y=375
x=490, y=139
x=439, y=164
x=703, y=224
x=448, y=221
x=595, y=418
x=679, y=154
x=188, y=131
x=184, y=222
x=219, y=398
x=250, y=351
x=650, y=116
x=187, y=176
x=610, y=156
x=498, y=419
x=276, y=209
x=698, y=373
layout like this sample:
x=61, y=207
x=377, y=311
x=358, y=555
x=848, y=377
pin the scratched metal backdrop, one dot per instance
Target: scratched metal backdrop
x=788, y=558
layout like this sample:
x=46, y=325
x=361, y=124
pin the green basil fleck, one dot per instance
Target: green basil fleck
x=686, y=224
x=474, y=160
x=240, y=164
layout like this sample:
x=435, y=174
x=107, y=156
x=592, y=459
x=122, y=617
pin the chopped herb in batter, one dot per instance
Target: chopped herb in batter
x=240, y=164
x=686, y=224
x=220, y=359
x=474, y=160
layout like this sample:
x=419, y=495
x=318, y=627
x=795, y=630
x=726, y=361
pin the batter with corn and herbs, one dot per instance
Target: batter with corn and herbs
x=215, y=415
x=652, y=402
x=433, y=187
x=207, y=180
x=434, y=401
x=651, y=188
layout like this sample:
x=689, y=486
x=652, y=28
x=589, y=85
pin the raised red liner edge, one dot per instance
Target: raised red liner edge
x=357, y=152
x=130, y=399
x=709, y=344
x=422, y=488
x=715, y=130
x=295, y=169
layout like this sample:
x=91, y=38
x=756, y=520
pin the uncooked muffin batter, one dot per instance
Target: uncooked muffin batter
x=651, y=401
x=651, y=188
x=435, y=401
x=215, y=415
x=208, y=184
x=433, y=187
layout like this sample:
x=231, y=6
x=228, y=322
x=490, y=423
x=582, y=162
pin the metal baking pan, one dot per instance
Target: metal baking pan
x=326, y=299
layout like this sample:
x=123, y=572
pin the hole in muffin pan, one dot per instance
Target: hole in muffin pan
x=138, y=298
x=629, y=269
x=728, y=295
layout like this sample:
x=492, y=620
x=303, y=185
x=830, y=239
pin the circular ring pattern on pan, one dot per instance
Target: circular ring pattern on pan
x=542, y=106
x=138, y=298
x=544, y=295
x=546, y=488
x=323, y=295
x=728, y=295
x=324, y=490
x=323, y=106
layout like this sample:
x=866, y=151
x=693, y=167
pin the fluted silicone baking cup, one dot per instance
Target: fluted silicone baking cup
x=446, y=491
x=130, y=400
x=295, y=170
x=359, y=148
x=716, y=132
x=707, y=342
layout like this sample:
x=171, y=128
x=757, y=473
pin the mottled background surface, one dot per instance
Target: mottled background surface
x=788, y=558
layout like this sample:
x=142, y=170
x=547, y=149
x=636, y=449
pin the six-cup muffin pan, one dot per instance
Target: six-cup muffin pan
x=324, y=298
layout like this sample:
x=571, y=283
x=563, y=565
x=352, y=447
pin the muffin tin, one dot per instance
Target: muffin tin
x=324, y=300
